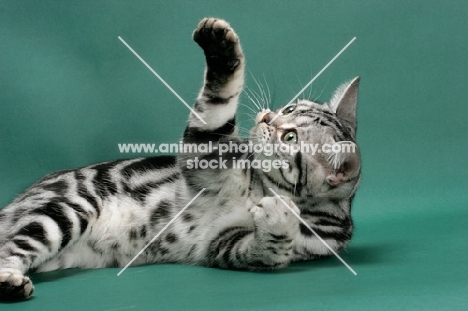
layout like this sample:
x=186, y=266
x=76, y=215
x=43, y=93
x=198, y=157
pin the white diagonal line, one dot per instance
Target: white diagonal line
x=162, y=230
x=314, y=78
x=313, y=231
x=161, y=79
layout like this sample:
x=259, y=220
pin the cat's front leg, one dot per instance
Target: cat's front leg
x=224, y=78
x=268, y=246
x=213, y=119
x=275, y=230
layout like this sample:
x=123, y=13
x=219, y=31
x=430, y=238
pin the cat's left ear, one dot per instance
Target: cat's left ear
x=345, y=164
x=344, y=103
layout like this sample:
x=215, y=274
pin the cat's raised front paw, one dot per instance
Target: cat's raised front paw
x=219, y=42
x=14, y=286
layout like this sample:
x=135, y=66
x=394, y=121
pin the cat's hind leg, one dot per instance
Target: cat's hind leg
x=34, y=229
x=19, y=248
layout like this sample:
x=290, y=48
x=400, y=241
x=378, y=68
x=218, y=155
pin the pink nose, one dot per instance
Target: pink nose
x=268, y=117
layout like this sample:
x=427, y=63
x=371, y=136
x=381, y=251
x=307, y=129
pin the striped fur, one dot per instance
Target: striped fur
x=102, y=215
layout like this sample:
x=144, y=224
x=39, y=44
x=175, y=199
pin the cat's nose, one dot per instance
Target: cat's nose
x=268, y=117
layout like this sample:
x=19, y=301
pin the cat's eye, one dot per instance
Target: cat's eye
x=290, y=137
x=288, y=109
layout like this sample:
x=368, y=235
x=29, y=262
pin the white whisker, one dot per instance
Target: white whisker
x=252, y=101
x=257, y=97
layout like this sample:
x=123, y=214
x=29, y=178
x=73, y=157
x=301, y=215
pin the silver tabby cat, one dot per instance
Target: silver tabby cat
x=102, y=215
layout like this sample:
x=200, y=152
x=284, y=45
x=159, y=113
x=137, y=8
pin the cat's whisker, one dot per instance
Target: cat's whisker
x=250, y=117
x=262, y=93
x=310, y=94
x=254, y=93
x=257, y=95
x=268, y=90
x=252, y=100
x=254, y=97
x=250, y=108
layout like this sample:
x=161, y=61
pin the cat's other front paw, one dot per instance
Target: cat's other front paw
x=276, y=220
x=220, y=44
x=14, y=286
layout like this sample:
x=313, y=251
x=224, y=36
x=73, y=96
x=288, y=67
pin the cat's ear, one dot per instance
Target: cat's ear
x=344, y=103
x=345, y=164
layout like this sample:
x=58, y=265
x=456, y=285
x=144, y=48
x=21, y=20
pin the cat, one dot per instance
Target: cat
x=102, y=215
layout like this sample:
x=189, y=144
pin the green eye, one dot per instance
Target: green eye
x=290, y=137
x=289, y=109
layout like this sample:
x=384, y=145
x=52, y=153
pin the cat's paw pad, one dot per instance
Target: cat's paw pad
x=275, y=215
x=219, y=41
x=15, y=286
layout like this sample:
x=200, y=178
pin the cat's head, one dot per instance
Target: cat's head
x=318, y=143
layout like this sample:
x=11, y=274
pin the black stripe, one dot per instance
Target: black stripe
x=298, y=161
x=305, y=231
x=339, y=236
x=279, y=241
x=327, y=222
x=278, y=237
x=332, y=121
x=327, y=219
x=24, y=245
x=114, y=263
x=102, y=180
x=194, y=135
x=143, y=232
x=328, y=119
x=161, y=212
x=81, y=213
x=133, y=234
x=217, y=100
x=148, y=164
x=320, y=214
x=84, y=193
x=222, y=240
x=55, y=211
x=231, y=242
x=140, y=192
x=58, y=187
x=35, y=230
x=192, y=249
x=272, y=249
x=277, y=183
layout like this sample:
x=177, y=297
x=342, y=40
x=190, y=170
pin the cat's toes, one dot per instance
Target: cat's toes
x=212, y=30
x=273, y=214
x=14, y=286
x=217, y=39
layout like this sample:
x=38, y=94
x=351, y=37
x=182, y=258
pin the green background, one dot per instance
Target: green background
x=70, y=91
